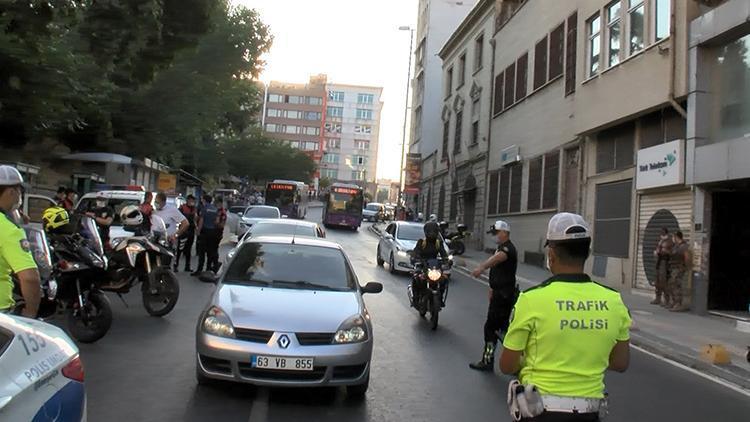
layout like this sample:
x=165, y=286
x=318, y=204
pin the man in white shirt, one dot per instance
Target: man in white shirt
x=176, y=223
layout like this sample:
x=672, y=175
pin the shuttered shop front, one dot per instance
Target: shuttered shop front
x=672, y=210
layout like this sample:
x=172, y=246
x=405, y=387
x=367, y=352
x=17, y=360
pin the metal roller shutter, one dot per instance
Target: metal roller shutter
x=673, y=210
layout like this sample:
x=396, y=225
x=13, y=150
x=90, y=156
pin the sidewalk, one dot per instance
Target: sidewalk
x=675, y=336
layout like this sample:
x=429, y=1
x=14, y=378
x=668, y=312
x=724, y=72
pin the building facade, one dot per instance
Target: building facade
x=352, y=133
x=453, y=181
x=437, y=20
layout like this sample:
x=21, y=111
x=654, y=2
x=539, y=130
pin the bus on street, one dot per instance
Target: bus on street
x=289, y=196
x=343, y=206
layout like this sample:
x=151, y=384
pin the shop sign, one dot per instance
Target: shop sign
x=662, y=165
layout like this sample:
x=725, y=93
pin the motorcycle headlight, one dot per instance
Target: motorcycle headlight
x=116, y=242
x=434, y=274
x=353, y=330
x=217, y=323
x=135, y=248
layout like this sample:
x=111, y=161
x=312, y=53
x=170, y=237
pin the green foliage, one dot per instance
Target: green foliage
x=324, y=183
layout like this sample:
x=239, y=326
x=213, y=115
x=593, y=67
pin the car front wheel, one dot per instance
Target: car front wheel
x=392, y=264
x=358, y=392
x=379, y=260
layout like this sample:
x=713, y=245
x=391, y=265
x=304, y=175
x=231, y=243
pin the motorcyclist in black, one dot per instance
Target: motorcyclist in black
x=430, y=247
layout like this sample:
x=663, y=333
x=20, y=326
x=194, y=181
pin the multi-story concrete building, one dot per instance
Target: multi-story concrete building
x=437, y=20
x=580, y=89
x=294, y=113
x=351, y=131
x=453, y=175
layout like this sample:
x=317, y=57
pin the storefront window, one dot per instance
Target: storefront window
x=731, y=86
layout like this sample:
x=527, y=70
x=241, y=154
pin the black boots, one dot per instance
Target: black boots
x=487, y=362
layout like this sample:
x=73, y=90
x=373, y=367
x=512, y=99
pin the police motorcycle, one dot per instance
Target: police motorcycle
x=71, y=263
x=432, y=275
x=455, y=240
x=144, y=258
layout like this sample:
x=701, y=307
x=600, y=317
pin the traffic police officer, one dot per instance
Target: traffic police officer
x=503, y=292
x=565, y=332
x=15, y=255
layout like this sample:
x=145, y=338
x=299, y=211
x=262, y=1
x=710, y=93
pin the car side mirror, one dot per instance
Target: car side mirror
x=240, y=213
x=372, y=287
x=208, y=277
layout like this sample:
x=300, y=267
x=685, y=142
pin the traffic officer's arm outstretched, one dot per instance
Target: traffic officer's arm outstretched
x=498, y=258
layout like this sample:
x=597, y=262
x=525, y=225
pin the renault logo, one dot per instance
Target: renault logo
x=283, y=341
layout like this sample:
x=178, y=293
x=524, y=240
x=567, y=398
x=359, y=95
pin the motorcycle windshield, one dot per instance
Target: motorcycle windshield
x=90, y=232
x=40, y=250
x=433, y=263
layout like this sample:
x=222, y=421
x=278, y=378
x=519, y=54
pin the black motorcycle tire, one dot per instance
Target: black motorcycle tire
x=422, y=307
x=435, y=306
x=170, y=296
x=96, y=327
x=458, y=247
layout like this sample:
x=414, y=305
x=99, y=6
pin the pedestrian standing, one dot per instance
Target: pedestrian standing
x=502, y=294
x=147, y=209
x=70, y=200
x=104, y=216
x=205, y=227
x=221, y=221
x=60, y=196
x=662, y=252
x=679, y=263
x=186, y=240
x=564, y=334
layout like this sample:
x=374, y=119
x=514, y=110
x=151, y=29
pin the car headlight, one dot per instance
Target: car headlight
x=353, y=330
x=217, y=323
x=402, y=254
x=434, y=274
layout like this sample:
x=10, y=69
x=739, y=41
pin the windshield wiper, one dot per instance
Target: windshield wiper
x=251, y=281
x=307, y=284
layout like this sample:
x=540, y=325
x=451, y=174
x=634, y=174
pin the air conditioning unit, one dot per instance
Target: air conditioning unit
x=510, y=155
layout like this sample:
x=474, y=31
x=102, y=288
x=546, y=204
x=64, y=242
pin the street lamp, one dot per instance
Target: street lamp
x=406, y=112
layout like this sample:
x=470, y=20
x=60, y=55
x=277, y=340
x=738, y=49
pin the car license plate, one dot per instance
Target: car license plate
x=288, y=364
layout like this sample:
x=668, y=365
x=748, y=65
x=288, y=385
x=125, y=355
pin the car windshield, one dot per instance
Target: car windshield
x=288, y=266
x=236, y=210
x=373, y=207
x=89, y=204
x=262, y=212
x=409, y=232
x=274, y=229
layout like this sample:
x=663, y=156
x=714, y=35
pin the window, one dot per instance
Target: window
x=475, y=133
x=454, y=200
x=336, y=96
x=510, y=76
x=291, y=129
x=360, y=160
x=449, y=82
x=540, y=63
x=333, y=127
x=331, y=174
x=461, y=71
x=615, y=148
x=363, y=129
x=362, y=145
x=314, y=101
x=570, y=54
x=516, y=183
x=662, y=16
x=612, y=219
x=310, y=145
x=522, y=66
x=418, y=123
x=310, y=130
x=358, y=175
x=293, y=114
x=730, y=85
x=446, y=136
x=497, y=101
x=594, y=31
x=335, y=111
x=293, y=144
x=332, y=143
x=365, y=98
x=275, y=98
x=551, y=179
x=364, y=114
x=312, y=115
x=272, y=127
x=457, y=135
x=331, y=158
x=556, y=51
x=272, y=112
x=502, y=202
x=295, y=99
x=479, y=52
x=492, y=199
x=534, y=201
x=636, y=25
x=613, y=33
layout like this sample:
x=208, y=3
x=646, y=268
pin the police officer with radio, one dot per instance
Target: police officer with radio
x=564, y=334
x=502, y=294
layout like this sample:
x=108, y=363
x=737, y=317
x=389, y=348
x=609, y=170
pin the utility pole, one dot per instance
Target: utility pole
x=406, y=115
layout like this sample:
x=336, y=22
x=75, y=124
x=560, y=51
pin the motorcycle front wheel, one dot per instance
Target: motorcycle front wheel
x=435, y=305
x=161, y=292
x=92, y=322
x=458, y=247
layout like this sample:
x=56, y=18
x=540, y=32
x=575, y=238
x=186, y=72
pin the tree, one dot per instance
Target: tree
x=324, y=183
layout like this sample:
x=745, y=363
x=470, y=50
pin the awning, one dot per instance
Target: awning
x=99, y=157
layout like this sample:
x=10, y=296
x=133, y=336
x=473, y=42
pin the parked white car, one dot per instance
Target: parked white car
x=41, y=375
x=253, y=214
x=397, y=243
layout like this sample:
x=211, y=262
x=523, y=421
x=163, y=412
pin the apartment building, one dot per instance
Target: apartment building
x=352, y=132
x=437, y=20
x=453, y=178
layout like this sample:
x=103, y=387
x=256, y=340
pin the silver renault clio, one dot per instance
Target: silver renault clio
x=287, y=312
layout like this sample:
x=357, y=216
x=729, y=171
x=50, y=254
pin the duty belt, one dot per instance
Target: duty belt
x=571, y=404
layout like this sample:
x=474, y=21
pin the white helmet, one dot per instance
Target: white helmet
x=433, y=218
x=131, y=216
x=10, y=176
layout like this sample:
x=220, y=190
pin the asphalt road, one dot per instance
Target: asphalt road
x=143, y=370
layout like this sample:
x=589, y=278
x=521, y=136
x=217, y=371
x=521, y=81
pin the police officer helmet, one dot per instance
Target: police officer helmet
x=431, y=230
x=443, y=225
x=55, y=218
x=433, y=217
x=10, y=176
x=131, y=215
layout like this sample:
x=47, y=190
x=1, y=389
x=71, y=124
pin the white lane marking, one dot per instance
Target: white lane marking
x=717, y=380
x=259, y=411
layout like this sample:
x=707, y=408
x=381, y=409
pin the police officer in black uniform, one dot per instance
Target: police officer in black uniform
x=503, y=292
x=428, y=248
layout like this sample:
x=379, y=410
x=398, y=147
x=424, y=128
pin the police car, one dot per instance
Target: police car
x=41, y=376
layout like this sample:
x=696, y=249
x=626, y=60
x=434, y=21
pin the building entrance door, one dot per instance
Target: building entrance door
x=729, y=280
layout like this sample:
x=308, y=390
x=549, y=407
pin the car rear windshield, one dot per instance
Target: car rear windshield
x=270, y=229
x=408, y=232
x=287, y=266
x=373, y=207
x=236, y=210
x=262, y=212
